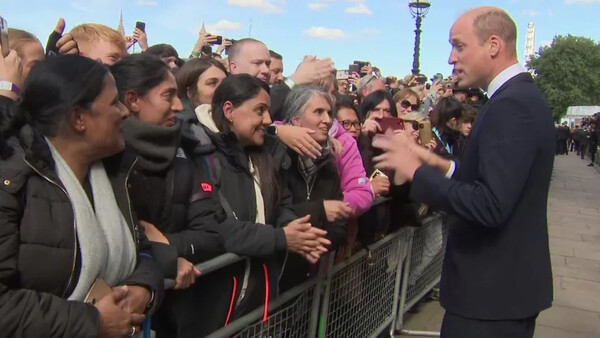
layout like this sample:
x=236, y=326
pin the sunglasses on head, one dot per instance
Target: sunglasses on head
x=347, y=124
x=405, y=104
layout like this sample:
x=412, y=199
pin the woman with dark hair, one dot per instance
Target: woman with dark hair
x=68, y=235
x=259, y=219
x=167, y=54
x=467, y=119
x=196, y=84
x=347, y=117
x=375, y=106
x=176, y=213
x=445, y=125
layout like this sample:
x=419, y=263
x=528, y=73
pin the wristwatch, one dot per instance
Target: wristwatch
x=272, y=130
x=6, y=85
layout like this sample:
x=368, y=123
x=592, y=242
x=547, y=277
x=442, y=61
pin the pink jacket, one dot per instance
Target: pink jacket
x=355, y=183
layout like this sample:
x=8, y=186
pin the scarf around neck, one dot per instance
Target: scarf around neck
x=105, y=241
x=309, y=167
x=155, y=146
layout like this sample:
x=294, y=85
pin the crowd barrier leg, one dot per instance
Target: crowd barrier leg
x=422, y=272
x=361, y=294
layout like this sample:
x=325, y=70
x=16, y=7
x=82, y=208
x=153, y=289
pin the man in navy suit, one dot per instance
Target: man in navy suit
x=496, y=276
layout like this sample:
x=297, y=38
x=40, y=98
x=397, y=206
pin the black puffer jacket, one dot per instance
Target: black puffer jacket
x=216, y=292
x=39, y=259
x=308, y=200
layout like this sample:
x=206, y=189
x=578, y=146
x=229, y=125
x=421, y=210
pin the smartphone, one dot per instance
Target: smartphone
x=4, y=37
x=425, y=133
x=354, y=69
x=341, y=74
x=227, y=48
x=376, y=173
x=141, y=26
x=393, y=123
x=219, y=40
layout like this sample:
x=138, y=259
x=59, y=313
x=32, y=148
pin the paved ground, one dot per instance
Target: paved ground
x=574, y=226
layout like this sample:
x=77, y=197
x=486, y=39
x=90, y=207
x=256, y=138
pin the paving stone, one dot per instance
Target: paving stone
x=570, y=319
x=551, y=332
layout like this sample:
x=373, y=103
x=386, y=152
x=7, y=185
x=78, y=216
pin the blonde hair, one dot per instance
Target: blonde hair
x=89, y=32
x=17, y=39
x=404, y=93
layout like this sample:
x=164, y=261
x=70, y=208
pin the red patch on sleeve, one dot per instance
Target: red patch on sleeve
x=206, y=187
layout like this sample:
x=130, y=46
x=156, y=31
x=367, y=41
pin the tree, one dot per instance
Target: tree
x=568, y=73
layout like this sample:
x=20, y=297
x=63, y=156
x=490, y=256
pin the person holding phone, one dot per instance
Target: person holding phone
x=29, y=49
x=10, y=76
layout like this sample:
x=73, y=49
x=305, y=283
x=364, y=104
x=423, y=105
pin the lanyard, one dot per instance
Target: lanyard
x=439, y=136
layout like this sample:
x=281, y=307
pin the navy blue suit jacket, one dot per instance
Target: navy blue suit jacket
x=497, y=263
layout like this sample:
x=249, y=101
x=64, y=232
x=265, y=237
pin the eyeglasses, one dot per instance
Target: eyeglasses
x=405, y=104
x=347, y=124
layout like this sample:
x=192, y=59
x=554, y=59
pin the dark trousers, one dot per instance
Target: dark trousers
x=455, y=326
x=582, y=150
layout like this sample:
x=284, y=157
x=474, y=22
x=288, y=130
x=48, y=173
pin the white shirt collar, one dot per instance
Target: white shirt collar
x=503, y=77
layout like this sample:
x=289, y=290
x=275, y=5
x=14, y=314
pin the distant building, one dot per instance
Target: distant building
x=576, y=113
x=529, y=44
x=121, y=29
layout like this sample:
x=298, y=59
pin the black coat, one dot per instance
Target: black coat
x=231, y=184
x=497, y=263
x=308, y=200
x=39, y=260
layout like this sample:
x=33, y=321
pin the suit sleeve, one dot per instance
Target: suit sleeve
x=28, y=313
x=506, y=153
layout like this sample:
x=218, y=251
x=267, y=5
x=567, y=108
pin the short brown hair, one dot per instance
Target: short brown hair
x=187, y=77
x=18, y=38
x=494, y=21
x=88, y=32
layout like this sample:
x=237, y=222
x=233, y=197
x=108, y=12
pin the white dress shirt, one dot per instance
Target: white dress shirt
x=503, y=77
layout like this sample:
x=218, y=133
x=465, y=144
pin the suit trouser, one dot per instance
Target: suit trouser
x=455, y=326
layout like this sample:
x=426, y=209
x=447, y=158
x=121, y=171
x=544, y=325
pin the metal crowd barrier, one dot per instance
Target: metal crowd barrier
x=423, y=272
x=363, y=296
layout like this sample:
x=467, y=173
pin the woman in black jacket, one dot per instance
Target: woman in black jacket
x=445, y=123
x=314, y=183
x=258, y=218
x=66, y=229
x=178, y=215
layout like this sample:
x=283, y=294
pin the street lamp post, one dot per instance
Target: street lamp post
x=418, y=9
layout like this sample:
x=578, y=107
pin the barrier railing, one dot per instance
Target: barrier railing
x=363, y=296
x=423, y=272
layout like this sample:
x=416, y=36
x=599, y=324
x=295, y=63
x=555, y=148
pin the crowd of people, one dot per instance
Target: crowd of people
x=119, y=170
x=581, y=138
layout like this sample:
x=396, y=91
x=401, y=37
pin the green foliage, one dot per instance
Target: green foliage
x=568, y=73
